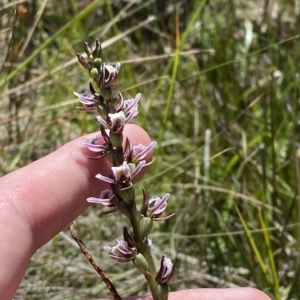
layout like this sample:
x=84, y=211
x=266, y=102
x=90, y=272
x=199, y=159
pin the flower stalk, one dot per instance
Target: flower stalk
x=127, y=161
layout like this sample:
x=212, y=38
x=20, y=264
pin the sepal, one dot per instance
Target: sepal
x=128, y=193
x=98, y=49
x=88, y=50
x=85, y=62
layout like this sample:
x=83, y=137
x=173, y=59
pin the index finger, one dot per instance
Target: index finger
x=41, y=199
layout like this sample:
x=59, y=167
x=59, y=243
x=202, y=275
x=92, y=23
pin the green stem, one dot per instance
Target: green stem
x=143, y=248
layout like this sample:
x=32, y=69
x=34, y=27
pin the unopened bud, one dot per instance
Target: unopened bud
x=88, y=50
x=166, y=271
x=94, y=73
x=85, y=62
x=141, y=263
x=98, y=49
x=146, y=225
x=98, y=62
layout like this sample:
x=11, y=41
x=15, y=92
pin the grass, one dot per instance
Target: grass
x=220, y=87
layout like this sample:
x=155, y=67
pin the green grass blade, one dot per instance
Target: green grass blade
x=254, y=247
x=271, y=256
x=42, y=47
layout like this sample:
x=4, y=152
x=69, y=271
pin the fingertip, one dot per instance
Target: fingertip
x=137, y=134
x=246, y=293
x=253, y=293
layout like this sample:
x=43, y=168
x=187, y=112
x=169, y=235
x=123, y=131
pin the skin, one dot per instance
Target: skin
x=43, y=198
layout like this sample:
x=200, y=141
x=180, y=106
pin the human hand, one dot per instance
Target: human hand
x=43, y=198
x=213, y=294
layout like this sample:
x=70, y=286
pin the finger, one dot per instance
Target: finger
x=213, y=294
x=41, y=199
x=220, y=294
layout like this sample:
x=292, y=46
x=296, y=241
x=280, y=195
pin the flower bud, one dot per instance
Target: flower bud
x=141, y=263
x=94, y=73
x=166, y=271
x=85, y=62
x=146, y=225
x=98, y=62
x=88, y=50
x=98, y=49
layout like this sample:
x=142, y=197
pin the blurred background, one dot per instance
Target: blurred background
x=220, y=85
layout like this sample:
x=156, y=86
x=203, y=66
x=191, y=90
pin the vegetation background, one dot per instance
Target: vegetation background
x=220, y=84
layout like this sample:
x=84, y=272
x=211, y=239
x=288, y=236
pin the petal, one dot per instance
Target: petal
x=122, y=171
x=159, y=206
x=168, y=265
x=118, y=66
x=117, y=119
x=106, y=198
x=94, y=147
x=102, y=121
x=122, y=259
x=104, y=178
x=132, y=104
x=138, y=168
x=107, y=248
x=106, y=194
x=106, y=202
x=141, y=151
x=91, y=144
x=130, y=116
x=84, y=99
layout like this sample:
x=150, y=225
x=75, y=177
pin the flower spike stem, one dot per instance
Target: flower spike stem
x=92, y=261
x=127, y=161
x=144, y=249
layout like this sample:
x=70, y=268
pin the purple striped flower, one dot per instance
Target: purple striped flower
x=94, y=146
x=140, y=151
x=121, y=252
x=158, y=206
x=131, y=105
x=107, y=198
x=166, y=271
x=123, y=174
x=109, y=75
x=88, y=100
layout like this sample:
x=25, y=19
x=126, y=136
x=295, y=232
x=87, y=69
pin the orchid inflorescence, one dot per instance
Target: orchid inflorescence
x=127, y=161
